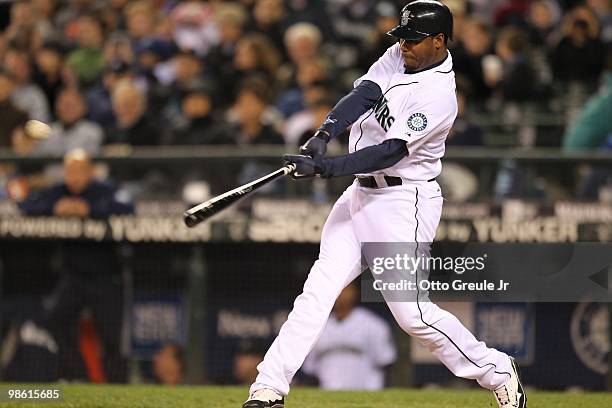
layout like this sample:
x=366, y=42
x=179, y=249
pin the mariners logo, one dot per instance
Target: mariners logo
x=417, y=122
x=590, y=335
x=405, y=17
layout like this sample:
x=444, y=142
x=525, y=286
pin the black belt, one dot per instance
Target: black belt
x=370, y=181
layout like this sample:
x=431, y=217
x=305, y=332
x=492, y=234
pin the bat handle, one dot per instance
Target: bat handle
x=289, y=168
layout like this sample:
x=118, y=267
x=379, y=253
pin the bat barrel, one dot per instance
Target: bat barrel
x=201, y=212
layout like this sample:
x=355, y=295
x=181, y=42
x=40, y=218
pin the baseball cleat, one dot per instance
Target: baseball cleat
x=265, y=398
x=512, y=394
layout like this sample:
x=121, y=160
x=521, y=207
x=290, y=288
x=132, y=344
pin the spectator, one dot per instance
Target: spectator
x=84, y=284
x=603, y=10
x=302, y=125
x=150, y=52
x=140, y=19
x=11, y=115
x=544, y=16
x=377, y=43
x=230, y=19
x=468, y=58
x=193, y=27
x=255, y=54
x=165, y=100
x=518, y=83
x=354, y=348
x=18, y=31
x=302, y=44
x=353, y=20
x=169, y=364
x=100, y=108
x=580, y=55
x=87, y=61
x=71, y=130
x=133, y=128
x=308, y=73
x=269, y=20
x=26, y=95
x=592, y=128
x=199, y=127
x=118, y=47
x=248, y=114
x=49, y=61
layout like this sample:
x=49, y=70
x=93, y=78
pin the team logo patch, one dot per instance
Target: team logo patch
x=417, y=122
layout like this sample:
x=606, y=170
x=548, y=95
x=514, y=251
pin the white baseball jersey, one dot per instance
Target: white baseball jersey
x=419, y=108
x=351, y=353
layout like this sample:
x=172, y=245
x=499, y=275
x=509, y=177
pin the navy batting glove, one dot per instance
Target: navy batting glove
x=316, y=145
x=306, y=166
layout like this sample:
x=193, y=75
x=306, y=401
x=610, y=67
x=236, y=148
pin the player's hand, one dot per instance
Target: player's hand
x=316, y=146
x=306, y=166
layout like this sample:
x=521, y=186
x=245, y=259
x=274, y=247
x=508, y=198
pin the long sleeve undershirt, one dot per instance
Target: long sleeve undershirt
x=346, y=112
x=366, y=160
x=361, y=99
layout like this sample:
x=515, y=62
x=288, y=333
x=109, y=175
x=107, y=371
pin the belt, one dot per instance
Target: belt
x=370, y=181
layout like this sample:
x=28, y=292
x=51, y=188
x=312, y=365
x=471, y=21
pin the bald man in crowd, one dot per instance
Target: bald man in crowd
x=92, y=275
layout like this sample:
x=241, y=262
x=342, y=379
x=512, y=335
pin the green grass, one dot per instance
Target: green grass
x=232, y=397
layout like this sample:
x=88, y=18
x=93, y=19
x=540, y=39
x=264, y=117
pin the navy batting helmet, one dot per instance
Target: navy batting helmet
x=422, y=18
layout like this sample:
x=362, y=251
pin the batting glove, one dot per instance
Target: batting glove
x=316, y=145
x=306, y=166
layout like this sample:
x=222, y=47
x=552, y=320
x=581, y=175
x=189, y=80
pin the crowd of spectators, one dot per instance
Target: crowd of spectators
x=261, y=71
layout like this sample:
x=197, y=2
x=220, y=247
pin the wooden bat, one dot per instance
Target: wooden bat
x=207, y=209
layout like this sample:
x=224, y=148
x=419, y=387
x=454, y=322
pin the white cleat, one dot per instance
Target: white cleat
x=265, y=398
x=511, y=394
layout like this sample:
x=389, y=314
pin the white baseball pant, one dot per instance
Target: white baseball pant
x=405, y=213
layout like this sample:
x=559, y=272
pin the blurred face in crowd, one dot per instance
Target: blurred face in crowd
x=18, y=65
x=186, y=67
x=70, y=106
x=541, y=15
x=128, y=105
x=167, y=367
x=21, y=13
x=78, y=172
x=268, y=12
x=421, y=54
x=476, y=39
x=245, y=58
x=302, y=48
x=310, y=72
x=43, y=8
x=6, y=88
x=118, y=49
x=249, y=106
x=140, y=23
x=90, y=33
x=48, y=61
x=196, y=105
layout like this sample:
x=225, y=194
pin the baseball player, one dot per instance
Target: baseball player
x=401, y=111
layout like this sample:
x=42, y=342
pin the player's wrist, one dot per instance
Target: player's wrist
x=323, y=134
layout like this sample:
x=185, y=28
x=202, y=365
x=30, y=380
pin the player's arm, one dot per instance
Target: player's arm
x=366, y=160
x=361, y=99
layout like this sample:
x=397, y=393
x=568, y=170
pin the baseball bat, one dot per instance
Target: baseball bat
x=207, y=209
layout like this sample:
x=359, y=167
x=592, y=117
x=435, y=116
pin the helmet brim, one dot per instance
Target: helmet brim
x=406, y=33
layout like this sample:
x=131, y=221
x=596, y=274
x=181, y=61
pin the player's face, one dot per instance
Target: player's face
x=420, y=54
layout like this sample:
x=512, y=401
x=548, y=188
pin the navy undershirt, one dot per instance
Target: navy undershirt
x=372, y=158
